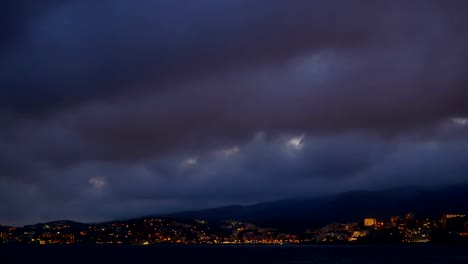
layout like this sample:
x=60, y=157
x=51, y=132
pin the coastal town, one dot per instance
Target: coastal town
x=449, y=229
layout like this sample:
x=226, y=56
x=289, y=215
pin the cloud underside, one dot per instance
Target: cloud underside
x=116, y=109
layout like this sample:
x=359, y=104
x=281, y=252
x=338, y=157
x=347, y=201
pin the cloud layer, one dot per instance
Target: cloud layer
x=113, y=109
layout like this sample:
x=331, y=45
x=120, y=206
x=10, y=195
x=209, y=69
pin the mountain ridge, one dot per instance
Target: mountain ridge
x=314, y=212
x=299, y=213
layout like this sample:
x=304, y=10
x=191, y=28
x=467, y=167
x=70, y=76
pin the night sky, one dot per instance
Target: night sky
x=112, y=109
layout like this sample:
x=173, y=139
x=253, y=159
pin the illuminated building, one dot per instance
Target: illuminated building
x=379, y=225
x=57, y=238
x=370, y=222
x=358, y=234
x=410, y=216
x=454, y=222
x=450, y=216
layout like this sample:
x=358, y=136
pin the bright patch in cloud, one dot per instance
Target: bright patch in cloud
x=296, y=142
x=461, y=121
x=229, y=151
x=97, y=182
x=191, y=161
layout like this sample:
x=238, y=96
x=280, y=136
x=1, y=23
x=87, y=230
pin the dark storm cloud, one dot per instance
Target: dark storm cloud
x=84, y=49
x=77, y=50
x=116, y=108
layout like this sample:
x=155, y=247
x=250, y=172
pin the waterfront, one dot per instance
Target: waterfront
x=233, y=254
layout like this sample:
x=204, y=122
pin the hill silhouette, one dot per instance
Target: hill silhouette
x=302, y=213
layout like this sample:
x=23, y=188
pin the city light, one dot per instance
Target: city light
x=451, y=228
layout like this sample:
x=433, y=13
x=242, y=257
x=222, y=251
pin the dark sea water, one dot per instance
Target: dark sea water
x=234, y=254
